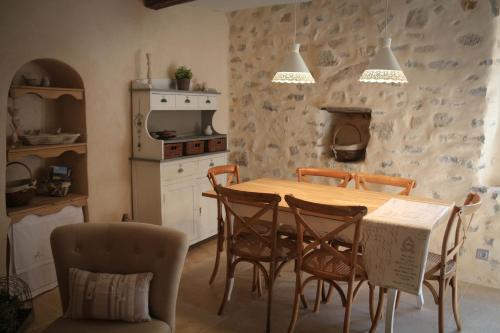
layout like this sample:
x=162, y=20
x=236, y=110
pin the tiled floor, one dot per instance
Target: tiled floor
x=198, y=304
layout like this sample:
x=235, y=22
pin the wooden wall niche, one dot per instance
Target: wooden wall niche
x=350, y=132
x=60, y=105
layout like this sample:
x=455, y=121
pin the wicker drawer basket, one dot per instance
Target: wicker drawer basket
x=172, y=150
x=194, y=147
x=216, y=145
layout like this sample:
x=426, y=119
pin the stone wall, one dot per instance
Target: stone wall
x=432, y=129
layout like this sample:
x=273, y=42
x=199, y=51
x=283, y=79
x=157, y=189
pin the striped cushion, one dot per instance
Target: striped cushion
x=108, y=296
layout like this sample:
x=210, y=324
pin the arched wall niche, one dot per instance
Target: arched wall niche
x=60, y=73
x=63, y=107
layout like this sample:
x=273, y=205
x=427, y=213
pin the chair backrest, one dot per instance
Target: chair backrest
x=124, y=248
x=344, y=217
x=238, y=224
x=363, y=179
x=456, y=232
x=231, y=170
x=342, y=176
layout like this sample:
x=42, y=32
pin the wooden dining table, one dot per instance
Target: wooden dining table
x=396, y=231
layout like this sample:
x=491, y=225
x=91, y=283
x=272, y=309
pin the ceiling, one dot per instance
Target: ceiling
x=230, y=5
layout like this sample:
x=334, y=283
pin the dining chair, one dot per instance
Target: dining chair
x=252, y=237
x=303, y=175
x=442, y=267
x=322, y=260
x=343, y=177
x=362, y=181
x=232, y=173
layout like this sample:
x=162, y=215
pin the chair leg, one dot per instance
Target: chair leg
x=319, y=289
x=378, y=313
x=220, y=247
x=327, y=298
x=348, y=307
x=371, y=299
x=296, y=300
x=270, y=296
x=442, y=287
x=456, y=309
x=229, y=285
x=398, y=299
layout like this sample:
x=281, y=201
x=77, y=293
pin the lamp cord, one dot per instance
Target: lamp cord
x=386, y=12
x=295, y=23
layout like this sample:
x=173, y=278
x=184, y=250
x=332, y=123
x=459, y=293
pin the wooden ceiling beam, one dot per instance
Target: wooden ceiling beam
x=159, y=4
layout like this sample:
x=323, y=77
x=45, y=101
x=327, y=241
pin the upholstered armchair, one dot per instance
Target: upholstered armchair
x=121, y=248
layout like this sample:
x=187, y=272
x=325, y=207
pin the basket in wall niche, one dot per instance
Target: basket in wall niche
x=19, y=192
x=343, y=152
x=350, y=132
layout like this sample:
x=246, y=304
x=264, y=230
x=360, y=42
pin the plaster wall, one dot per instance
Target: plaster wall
x=106, y=42
x=436, y=129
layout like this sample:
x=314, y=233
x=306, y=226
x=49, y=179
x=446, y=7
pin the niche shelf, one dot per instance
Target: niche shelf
x=46, y=92
x=45, y=151
x=44, y=205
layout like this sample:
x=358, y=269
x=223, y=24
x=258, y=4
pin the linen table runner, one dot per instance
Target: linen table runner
x=396, y=241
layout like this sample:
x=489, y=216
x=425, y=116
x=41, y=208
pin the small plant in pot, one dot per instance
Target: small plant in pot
x=183, y=76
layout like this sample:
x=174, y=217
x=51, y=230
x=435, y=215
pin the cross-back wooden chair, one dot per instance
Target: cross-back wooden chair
x=251, y=239
x=322, y=260
x=362, y=181
x=442, y=267
x=232, y=173
x=342, y=176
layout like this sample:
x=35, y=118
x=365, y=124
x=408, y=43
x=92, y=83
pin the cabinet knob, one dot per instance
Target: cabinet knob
x=163, y=100
x=211, y=164
x=208, y=101
x=187, y=100
x=180, y=170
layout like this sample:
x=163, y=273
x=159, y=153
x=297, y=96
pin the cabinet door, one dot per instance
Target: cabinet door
x=179, y=207
x=207, y=222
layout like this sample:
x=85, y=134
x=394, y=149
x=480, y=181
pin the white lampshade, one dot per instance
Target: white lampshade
x=294, y=69
x=384, y=67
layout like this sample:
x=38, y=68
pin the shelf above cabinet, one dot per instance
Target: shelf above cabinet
x=46, y=92
x=45, y=205
x=45, y=151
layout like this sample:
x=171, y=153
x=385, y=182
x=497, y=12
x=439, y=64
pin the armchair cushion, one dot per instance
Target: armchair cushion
x=108, y=296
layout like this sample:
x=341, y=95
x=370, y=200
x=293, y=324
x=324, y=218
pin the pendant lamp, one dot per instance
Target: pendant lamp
x=294, y=69
x=384, y=68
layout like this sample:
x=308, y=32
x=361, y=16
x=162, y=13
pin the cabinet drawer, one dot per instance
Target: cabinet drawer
x=162, y=102
x=186, y=102
x=174, y=171
x=207, y=102
x=206, y=164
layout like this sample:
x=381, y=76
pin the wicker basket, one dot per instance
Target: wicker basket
x=194, y=147
x=19, y=192
x=172, y=150
x=216, y=145
x=348, y=153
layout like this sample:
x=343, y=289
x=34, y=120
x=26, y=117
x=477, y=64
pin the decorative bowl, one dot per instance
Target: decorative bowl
x=50, y=139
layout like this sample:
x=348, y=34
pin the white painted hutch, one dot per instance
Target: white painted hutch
x=167, y=192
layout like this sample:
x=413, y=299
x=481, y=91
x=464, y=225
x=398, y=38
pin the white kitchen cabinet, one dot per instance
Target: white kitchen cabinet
x=164, y=196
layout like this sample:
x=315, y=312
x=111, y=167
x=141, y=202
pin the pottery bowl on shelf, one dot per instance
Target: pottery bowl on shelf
x=49, y=139
x=31, y=81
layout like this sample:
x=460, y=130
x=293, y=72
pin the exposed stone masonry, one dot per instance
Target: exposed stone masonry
x=432, y=129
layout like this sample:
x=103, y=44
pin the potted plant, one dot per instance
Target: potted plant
x=183, y=76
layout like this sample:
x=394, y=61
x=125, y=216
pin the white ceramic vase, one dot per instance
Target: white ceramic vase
x=208, y=130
